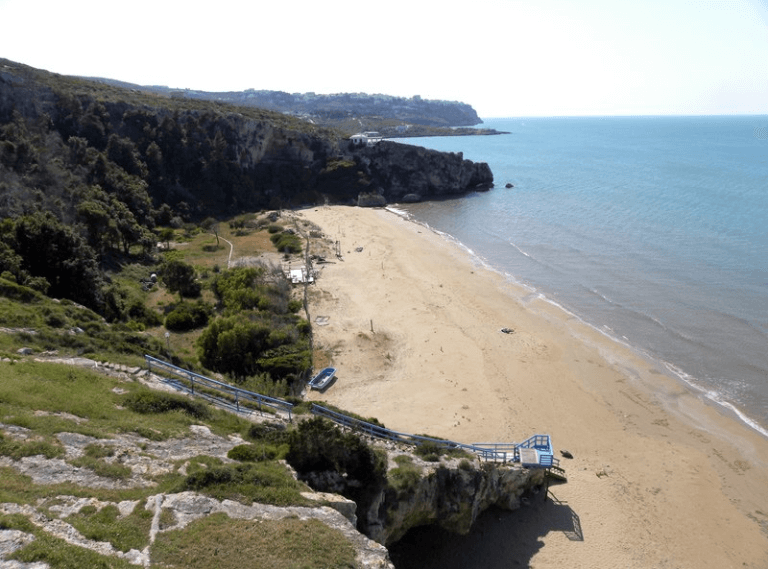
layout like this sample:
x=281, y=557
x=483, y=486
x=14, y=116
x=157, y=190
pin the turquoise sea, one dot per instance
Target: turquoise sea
x=653, y=230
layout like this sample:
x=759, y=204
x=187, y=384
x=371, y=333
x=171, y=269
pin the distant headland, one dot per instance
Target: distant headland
x=392, y=117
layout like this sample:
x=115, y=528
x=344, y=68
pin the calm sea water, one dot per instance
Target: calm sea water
x=652, y=229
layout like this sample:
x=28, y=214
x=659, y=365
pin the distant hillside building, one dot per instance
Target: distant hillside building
x=366, y=138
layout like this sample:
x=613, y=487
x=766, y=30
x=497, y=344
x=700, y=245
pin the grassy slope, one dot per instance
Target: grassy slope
x=48, y=399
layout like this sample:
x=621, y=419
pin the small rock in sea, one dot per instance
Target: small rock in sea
x=566, y=454
x=509, y=185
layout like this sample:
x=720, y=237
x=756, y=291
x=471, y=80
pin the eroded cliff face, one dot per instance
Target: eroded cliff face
x=450, y=494
x=403, y=172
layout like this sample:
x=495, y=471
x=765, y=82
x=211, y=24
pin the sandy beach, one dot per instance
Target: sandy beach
x=659, y=478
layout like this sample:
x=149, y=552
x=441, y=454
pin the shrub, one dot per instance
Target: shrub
x=285, y=360
x=405, y=477
x=141, y=313
x=148, y=402
x=266, y=431
x=236, y=289
x=318, y=445
x=286, y=242
x=187, y=316
x=266, y=482
x=18, y=292
x=179, y=321
x=429, y=451
x=55, y=320
x=252, y=453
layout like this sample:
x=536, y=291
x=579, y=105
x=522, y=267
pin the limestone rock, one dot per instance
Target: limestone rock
x=344, y=506
x=451, y=495
x=371, y=200
x=401, y=170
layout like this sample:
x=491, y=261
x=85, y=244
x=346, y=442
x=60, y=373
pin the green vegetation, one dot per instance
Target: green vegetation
x=187, y=316
x=92, y=177
x=431, y=451
x=59, y=554
x=123, y=532
x=405, y=477
x=265, y=482
x=93, y=459
x=257, y=335
x=253, y=333
x=48, y=399
x=217, y=541
x=180, y=277
x=70, y=395
x=147, y=401
x=317, y=445
x=44, y=324
x=19, y=449
x=287, y=242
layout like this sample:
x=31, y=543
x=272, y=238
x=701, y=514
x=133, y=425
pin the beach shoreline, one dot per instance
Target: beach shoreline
x=660, y=477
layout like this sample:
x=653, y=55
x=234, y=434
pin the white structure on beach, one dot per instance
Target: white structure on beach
x=300, y=275
x=366, y=138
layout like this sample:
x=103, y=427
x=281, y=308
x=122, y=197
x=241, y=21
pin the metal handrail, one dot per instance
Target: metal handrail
x=238, y=393
x=486, y=451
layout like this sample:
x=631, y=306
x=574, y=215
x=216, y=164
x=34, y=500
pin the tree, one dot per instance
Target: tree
x=210, y=224
x=166, y=234
x=236, y=289
x=96, y=217
x=231, y=345
x=180, y=277
x=60, y=255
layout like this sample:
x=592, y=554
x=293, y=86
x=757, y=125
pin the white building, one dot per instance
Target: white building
x=366, y=138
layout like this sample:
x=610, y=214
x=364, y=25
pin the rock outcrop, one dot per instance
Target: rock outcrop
x=450, y=494
x=149, y=459
x=403, y=172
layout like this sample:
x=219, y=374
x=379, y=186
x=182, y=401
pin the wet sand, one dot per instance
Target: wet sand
x=659, y=478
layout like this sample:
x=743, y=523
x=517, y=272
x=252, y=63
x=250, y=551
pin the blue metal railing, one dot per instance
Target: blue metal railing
x=542, y=443
x=505, y=452
x=239, y=397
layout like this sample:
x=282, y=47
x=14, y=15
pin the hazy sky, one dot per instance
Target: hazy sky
x=503, y=57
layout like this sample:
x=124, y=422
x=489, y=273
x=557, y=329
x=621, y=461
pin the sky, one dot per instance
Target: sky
x=505, y=58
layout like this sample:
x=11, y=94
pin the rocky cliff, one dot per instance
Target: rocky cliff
x=407, y=173
x=211, y=157
x=450, y=494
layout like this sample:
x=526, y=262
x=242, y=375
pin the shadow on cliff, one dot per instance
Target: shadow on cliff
x=499, y=539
